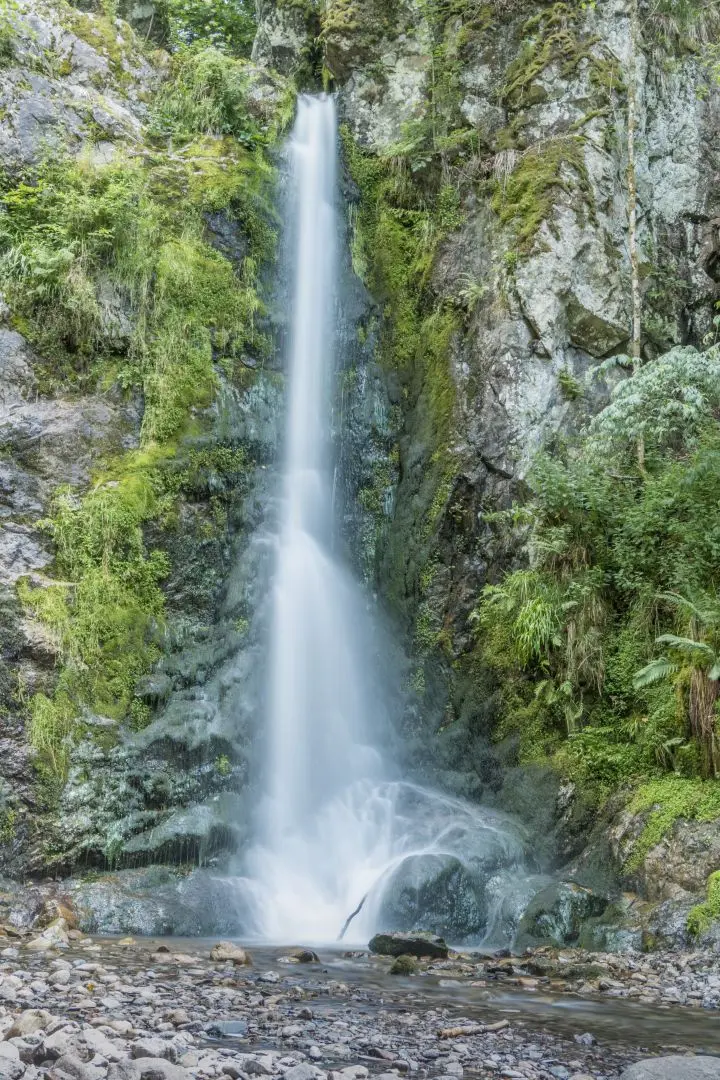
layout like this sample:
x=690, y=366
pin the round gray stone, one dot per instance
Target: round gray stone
x=674, y=1067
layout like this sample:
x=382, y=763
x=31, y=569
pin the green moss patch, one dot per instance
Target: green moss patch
x=531, y=192
x=702, y=916
x=668, y=800
x=110, y=273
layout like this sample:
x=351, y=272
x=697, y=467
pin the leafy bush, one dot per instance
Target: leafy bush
x=616, y=557
x=228, y=24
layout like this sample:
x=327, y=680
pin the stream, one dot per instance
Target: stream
x=623, y=1025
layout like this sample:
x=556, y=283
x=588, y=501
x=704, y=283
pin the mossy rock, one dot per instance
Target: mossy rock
x=435, y=894
x=405, y=965
x=422, y=945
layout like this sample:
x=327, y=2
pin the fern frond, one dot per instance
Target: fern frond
x=686, y=645
x=662, y=668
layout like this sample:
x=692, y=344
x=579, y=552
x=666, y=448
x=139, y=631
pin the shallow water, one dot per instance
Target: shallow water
x=616, y=1022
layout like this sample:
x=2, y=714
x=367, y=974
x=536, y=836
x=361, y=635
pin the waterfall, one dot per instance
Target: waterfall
x=336, y=827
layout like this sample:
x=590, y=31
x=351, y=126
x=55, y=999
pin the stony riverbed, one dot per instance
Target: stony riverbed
x=140, y=1010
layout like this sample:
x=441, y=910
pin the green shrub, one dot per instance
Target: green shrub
x=616, y=556
x=228, y=24
x=702, y=916
x=208, y=95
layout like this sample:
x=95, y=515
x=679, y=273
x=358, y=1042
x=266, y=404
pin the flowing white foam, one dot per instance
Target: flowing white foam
x=335, y=831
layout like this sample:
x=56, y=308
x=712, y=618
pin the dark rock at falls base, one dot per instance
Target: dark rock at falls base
x=409, y=945
x=436, y=894
x=223, y=1029
x=557, y=913
x=304, y=956
x=674, y=1068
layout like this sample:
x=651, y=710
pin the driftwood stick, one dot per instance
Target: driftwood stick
x=472, y=1029
x=350, y=918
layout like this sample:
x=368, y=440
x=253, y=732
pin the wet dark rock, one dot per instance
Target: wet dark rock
x=557, y=913
x=227, y=951
x=303, y=956
x=221, y=1029
x=421, y=945
x=226, y=236
x=434, y=893
x=157, y=901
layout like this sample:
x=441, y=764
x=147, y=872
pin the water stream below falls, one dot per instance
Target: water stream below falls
x=337, y=829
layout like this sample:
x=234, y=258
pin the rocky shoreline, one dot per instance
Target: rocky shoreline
x=135, y=1009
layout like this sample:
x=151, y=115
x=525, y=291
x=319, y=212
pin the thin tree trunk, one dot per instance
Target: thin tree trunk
x=632, y=209
x=703, y=698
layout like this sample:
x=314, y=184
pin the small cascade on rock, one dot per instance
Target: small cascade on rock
x=338, y=834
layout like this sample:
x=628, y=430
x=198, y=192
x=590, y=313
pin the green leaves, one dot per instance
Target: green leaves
x=613, y=555
x=686, y=645
x=662, y=668
x=667, y=403
x=227, y=24
x=208, y=95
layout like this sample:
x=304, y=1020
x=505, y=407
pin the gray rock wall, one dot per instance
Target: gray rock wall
x=538, y=273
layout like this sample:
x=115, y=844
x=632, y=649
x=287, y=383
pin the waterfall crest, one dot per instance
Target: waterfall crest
x=337, y=829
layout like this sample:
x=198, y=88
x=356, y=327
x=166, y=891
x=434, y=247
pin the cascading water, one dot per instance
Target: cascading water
x=336, y=830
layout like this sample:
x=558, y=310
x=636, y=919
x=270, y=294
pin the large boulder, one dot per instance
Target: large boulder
x=555, y=916
x=158, y=901
x=423, y=945
x=434, y=893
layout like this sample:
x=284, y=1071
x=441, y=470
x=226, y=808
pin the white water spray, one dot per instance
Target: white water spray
x=335, y=829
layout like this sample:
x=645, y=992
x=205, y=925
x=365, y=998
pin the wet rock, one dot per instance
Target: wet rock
x=674, y=1068
x=157, y=900
x=557, y=913
x=422, y=945
x=225, y=950
x=434, y=893
x=304, y=956
x=222, y=1029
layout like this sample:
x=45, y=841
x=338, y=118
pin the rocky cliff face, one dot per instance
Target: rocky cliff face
x=107, y=683
x=521, y=108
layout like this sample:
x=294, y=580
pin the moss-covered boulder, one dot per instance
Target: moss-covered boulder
x=415, y=945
